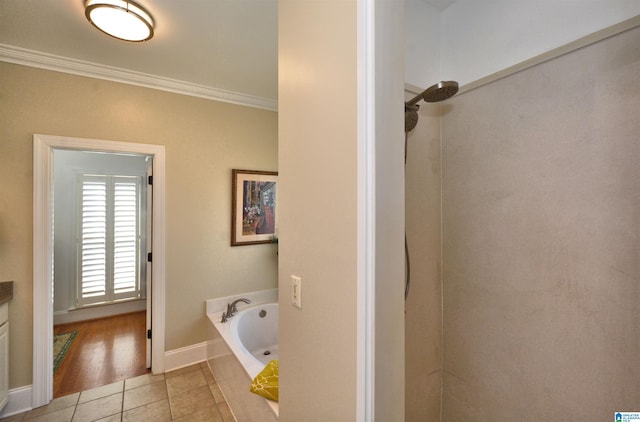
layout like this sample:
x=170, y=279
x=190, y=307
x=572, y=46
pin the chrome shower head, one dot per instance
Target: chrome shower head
x=440, y=91
x=410, y=117
x=435, y=93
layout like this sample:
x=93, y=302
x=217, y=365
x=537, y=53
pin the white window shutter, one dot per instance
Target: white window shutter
x=93, y=264
x=109, y=242
x=125, y=237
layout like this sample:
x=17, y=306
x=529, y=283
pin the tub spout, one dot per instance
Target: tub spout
x=232, y=307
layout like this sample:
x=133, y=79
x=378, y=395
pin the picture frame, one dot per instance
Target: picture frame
x=253, y=207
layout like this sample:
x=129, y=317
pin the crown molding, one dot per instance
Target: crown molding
x=32, y=58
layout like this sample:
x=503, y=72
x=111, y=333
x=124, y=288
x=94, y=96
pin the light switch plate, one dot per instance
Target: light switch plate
x=296, y=291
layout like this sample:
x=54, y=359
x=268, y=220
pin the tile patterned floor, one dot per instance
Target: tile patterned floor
x=188, y=394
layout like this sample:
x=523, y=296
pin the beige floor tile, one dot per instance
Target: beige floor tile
x=62, y=415
x=217, y=393
x=99, y=408
x=210, y=414
x=103, y=391
x=190, y=394
x=144, y=395
x=15, y=418
x=185, y=382
x=113, y=418
x=153, y=412
x=142, y=380
x=208, y=375
x=55, y=405
x=225, y=411
x=181, y=371
x=191, y=401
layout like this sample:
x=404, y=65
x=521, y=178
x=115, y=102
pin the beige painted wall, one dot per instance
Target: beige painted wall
x=204, y=140
x=322, y=161
x=541, y=234
x=423, y=314
x=317, y=155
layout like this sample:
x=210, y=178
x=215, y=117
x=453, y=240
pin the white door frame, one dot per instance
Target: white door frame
x=43, y=146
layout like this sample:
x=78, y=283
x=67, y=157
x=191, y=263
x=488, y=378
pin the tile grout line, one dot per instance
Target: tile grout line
x=204, y=371
x=124, y=389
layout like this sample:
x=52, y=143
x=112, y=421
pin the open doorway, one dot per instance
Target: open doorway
x=102, y=351
x=44, y=147
x=102, y=213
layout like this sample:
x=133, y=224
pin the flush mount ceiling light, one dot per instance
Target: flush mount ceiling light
x=122, y=19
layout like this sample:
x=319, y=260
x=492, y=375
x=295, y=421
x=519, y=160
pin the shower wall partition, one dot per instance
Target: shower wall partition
x=541, y=241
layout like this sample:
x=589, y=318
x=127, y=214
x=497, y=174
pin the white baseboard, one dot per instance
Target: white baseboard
x=19, y=401
x=185, y=356
x=95, y=312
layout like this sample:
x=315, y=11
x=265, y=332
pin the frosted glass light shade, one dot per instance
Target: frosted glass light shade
x=122, y=19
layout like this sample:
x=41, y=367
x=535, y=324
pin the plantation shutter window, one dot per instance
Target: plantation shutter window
x=93, y=247
x=109, y=239
x=125, y=237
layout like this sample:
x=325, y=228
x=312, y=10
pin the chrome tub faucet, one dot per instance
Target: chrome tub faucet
x=232, y=308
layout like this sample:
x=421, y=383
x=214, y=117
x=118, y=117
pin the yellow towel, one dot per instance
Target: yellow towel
x=265, y=384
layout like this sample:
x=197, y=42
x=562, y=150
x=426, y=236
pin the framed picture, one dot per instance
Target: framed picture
x=253, y=202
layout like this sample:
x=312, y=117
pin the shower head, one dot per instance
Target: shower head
x=440, y=91
x=435, y=93
x=410, y=117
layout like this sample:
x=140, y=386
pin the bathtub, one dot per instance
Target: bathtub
x=251, y=335
x=254, y=336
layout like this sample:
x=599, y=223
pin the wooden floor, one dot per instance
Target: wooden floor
x=104, y=351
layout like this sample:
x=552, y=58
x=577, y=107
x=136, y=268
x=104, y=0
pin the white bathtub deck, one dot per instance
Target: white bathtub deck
x=251, y=365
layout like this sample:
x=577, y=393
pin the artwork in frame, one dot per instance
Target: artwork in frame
x=253, y=212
